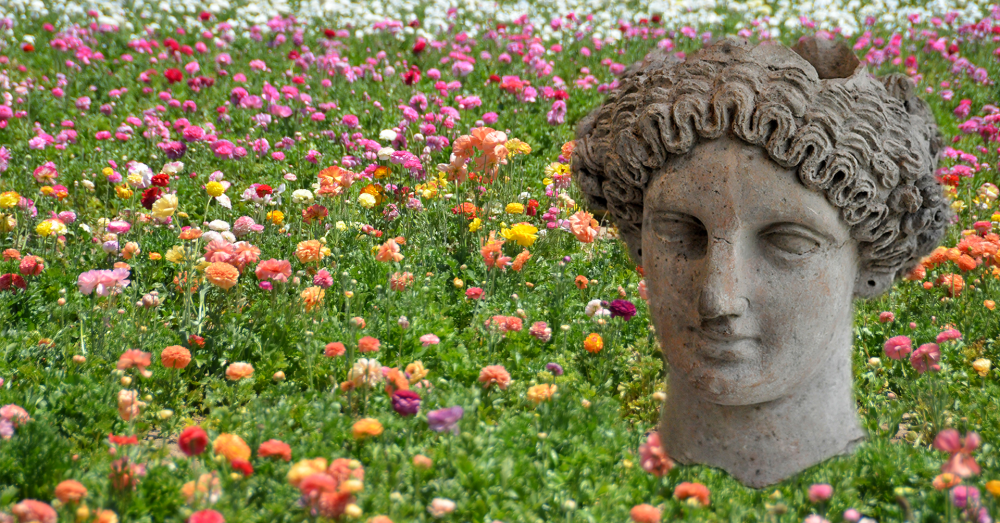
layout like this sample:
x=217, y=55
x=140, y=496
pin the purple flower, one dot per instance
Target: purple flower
x=442, y=420
x=405, y=402
x=623, y=308
x=554, y=368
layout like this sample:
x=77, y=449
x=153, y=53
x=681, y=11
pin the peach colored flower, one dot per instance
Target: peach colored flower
x=311, y=251
x=128, y=404
x=494, y=374
x=207, y=488
x=541, y=392
x=645, y=513
x=135, y=358
x=389, y=252
x=175, y=357
x=70, y=490
x=222, y=275
x=312, y=297
x=219, y=251
x=422, y=462
x=190, y=234
x=275, y=270
x=239, y=370
x=30, y=510
x=275, y=448
x=231, y=446
x=692, y=490
x=583, y=226
x=369, y=344
x=244, y=254
x=520, y=260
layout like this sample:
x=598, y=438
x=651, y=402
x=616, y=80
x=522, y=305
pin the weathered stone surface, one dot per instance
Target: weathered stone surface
x=763, y=189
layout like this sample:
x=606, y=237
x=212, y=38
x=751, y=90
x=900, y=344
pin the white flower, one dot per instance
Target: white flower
x=387, y=135
x=385, y=152
x=594, y=308
x=218, y=225
x=366, y=200
x=302, y=196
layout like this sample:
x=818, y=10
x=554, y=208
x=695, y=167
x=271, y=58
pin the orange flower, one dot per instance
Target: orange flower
x=312, y=297
x=400, y=281
x=389, y=252
x=494, y=374
x=945, y=481
x=542, y=392
x=953, y=283
x=692, y=490
x=593, y=344
x=231, y=446
x=275, y=448
x=990, y=304
x=207, y=488
x=645, y=513
x=222, y=274
x=567, y=149
x=492, y=252
x=135, y=358
x=380, y=519
x=130, y=250
x=11, y=254
x=70, y=490
x=581, y=282
x=367, y=427
x=918, y=273
x=368, y=344
x=395, y=380
x=239, y=370
x=311, y=251
x=422, y=462
x=155, y=256
x=175, y=357
x=190, y=234
x=520, y=260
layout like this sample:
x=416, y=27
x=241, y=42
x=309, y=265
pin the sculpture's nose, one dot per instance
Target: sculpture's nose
x=722, y=298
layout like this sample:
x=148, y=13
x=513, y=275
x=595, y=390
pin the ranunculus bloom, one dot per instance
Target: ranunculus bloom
x=593, y=343
x=334, y=349
x=441, y=507
x=175, y=357
x=653, y=458
x=405, y=402
x=206, y=516
x=947, y=335
x=192, y=441
x=897, y=347
x=820, y=492
x=389, y=252
x=541, y=392
x=365, y=428
x=961, y=463
x=622, y=308
x=645, y=513
x=692, y=490
x=311, y=251
x=135, y=358
x=239, y=370
x=494, y=374
x=368, y=344
x=926, y=357
x=222, y=275
x=70, y=490
x=275, y=270
x=231, y=446
x=429, y=339
x=446, y=419
x=275, y=448
x=304, y=469
x=31, y=510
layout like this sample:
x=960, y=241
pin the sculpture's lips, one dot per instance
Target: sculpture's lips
x=724, y=347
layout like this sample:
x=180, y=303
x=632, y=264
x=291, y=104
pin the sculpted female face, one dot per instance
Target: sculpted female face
x=751, y=274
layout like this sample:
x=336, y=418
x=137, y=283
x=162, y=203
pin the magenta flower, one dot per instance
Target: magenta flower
x=948, y=335
x=405, y=402
x=964, y=496
x=961, y=463
x=897, y=347
x=622, y=308
x=926, y=357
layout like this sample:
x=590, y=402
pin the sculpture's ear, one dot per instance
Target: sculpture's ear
x=870, y=284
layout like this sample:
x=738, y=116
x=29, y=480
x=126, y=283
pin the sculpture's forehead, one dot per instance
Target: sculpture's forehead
x=729, y=179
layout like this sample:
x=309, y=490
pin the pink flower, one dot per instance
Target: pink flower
x=948, y=335
x=961, y=463
x=926, y=357
x=820, y=492
x=897, y=347
x=323, y=279
x=474, y=293
x=653, y=458
x=429, y=339
x=886, y=317
x=105, y=282
x=276, y=270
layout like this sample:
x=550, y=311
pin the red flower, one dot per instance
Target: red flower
x=961, y=462
x=193, y=441
x=194, y=339
x=206, y=516
x=173, y=75
x=12, y=282
x=149, y=197
x=242, y=466
x=495, y=78
x=204, y=15
x=412, y=76
x=419, y=46
x=122, y=440
x=26, y=47
x=330, y=33
x=263, y=190
x=293, y=55
x=161, y=180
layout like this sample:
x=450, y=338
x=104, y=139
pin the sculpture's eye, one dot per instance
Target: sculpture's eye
x=684, y=232
x=792, y=240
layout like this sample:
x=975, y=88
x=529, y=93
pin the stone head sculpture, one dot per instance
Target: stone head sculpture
x=763, y=188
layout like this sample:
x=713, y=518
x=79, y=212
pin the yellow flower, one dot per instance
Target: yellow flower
x=542, y=392
x=958, y=205
x=381, y=172
x=365, y=428
x=46, y=190
x=523, y=233
x=305, y=468
x=375, y=190
x=214, y=189
x=7, y=223
x=366, y=200
x=982, y=366
x=556, y=169
x=995, y=217
x=993, y=487
x=515, y=146
x=175, y=254
x=44, y=228
x=514, y=208
x=276, y=217
x=312, y=297
x=546, y=181
x=134, y=179
x=475, y=225
x=123, y=191
x=341, y=226
x=107, y=171
x=9, y=199
x=231, y=446
x=165, y=206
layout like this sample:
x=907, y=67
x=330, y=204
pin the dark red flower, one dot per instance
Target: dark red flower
x=161, y=180
x=194, y=339
x=173, y=75
x=330, y=33
x=242, y=466
x=414, y=23
x=314, y=213
x=149, y=197
x=412, y=76
x=192, y=441
x=263, y=190
x=204, y=15
x=419, y=46
x=495, y=78
x=186, y=50
x=26, y=47
x=656, y=19
x=172, y=44
x=293, y=55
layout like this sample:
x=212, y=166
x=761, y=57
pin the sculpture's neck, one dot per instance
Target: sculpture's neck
x=765, y=443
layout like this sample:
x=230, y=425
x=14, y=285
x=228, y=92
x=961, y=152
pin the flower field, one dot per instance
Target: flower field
x=318, y=261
